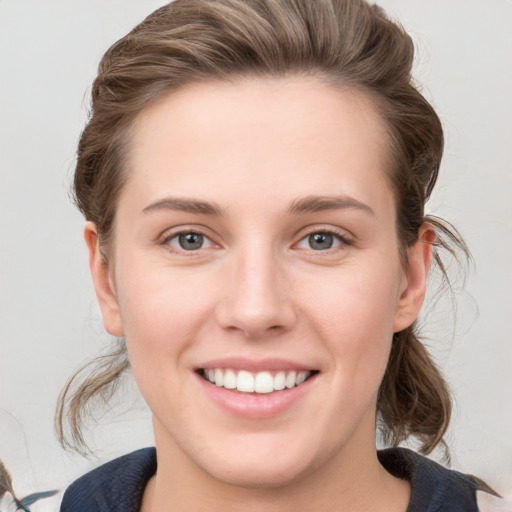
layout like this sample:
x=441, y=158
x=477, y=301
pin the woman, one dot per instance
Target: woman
x=254, y=175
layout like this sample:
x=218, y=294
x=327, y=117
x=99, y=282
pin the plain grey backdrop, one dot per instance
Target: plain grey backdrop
x=49, y=322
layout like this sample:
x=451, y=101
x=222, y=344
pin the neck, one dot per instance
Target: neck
x=353, y=480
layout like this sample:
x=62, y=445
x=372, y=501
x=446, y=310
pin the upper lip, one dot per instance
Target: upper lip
x=255, y=365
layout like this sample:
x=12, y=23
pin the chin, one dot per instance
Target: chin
x=261, y=465
x=257, y=475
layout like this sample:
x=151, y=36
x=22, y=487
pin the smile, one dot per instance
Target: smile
x=255, y=382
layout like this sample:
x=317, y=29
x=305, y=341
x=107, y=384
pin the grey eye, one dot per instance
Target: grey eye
x=321, y=241
x=188, y=241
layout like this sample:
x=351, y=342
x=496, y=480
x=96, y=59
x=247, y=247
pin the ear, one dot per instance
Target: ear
x=419, y=258
x=103, y=283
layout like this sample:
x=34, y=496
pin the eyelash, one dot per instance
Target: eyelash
x=166, y=239
x=343, y=239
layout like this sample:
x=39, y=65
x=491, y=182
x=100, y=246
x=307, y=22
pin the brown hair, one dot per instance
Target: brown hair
x=347, y=43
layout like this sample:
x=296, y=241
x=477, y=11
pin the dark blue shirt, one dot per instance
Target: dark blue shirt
x=118, y=486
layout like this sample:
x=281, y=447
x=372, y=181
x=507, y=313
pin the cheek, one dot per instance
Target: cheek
x=161, y=318
x=355, y=315
x=161, y=313
x=359, y=298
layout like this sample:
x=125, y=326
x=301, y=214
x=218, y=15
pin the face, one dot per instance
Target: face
x=255, y=247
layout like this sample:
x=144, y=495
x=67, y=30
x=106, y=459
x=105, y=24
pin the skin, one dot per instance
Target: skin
x=258, y=289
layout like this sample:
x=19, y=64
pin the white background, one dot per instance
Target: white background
x=49, y=322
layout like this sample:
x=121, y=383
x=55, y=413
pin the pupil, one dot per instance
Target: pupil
x=320, y=241
x=191, y=241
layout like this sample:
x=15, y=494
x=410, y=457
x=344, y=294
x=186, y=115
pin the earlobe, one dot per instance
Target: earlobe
x=103, y=283
x=419, y=258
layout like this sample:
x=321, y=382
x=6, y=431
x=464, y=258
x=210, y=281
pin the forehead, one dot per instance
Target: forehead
x=265, y=135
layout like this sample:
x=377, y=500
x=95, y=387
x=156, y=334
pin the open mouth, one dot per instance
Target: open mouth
x=255, y=382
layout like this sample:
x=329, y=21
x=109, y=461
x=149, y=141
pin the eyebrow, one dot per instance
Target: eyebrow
x=308, y=204
x=185, y=205
x=312, y=204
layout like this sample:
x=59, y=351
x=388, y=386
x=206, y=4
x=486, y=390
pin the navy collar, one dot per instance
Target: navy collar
x=118, y=485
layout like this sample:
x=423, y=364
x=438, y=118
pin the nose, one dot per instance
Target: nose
x=256, y=301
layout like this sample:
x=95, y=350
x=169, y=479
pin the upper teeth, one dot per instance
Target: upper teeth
x=260, y=382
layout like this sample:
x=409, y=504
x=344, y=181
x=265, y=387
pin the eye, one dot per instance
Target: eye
x=321, y=241
x=189, y=241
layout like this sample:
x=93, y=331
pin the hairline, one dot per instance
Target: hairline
x=373, y=99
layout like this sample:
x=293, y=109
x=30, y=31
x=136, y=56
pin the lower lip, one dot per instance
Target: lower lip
x=255, y=405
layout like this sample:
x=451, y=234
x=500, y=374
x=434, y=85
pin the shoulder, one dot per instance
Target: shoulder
x=117, y=485
x=434, y=488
